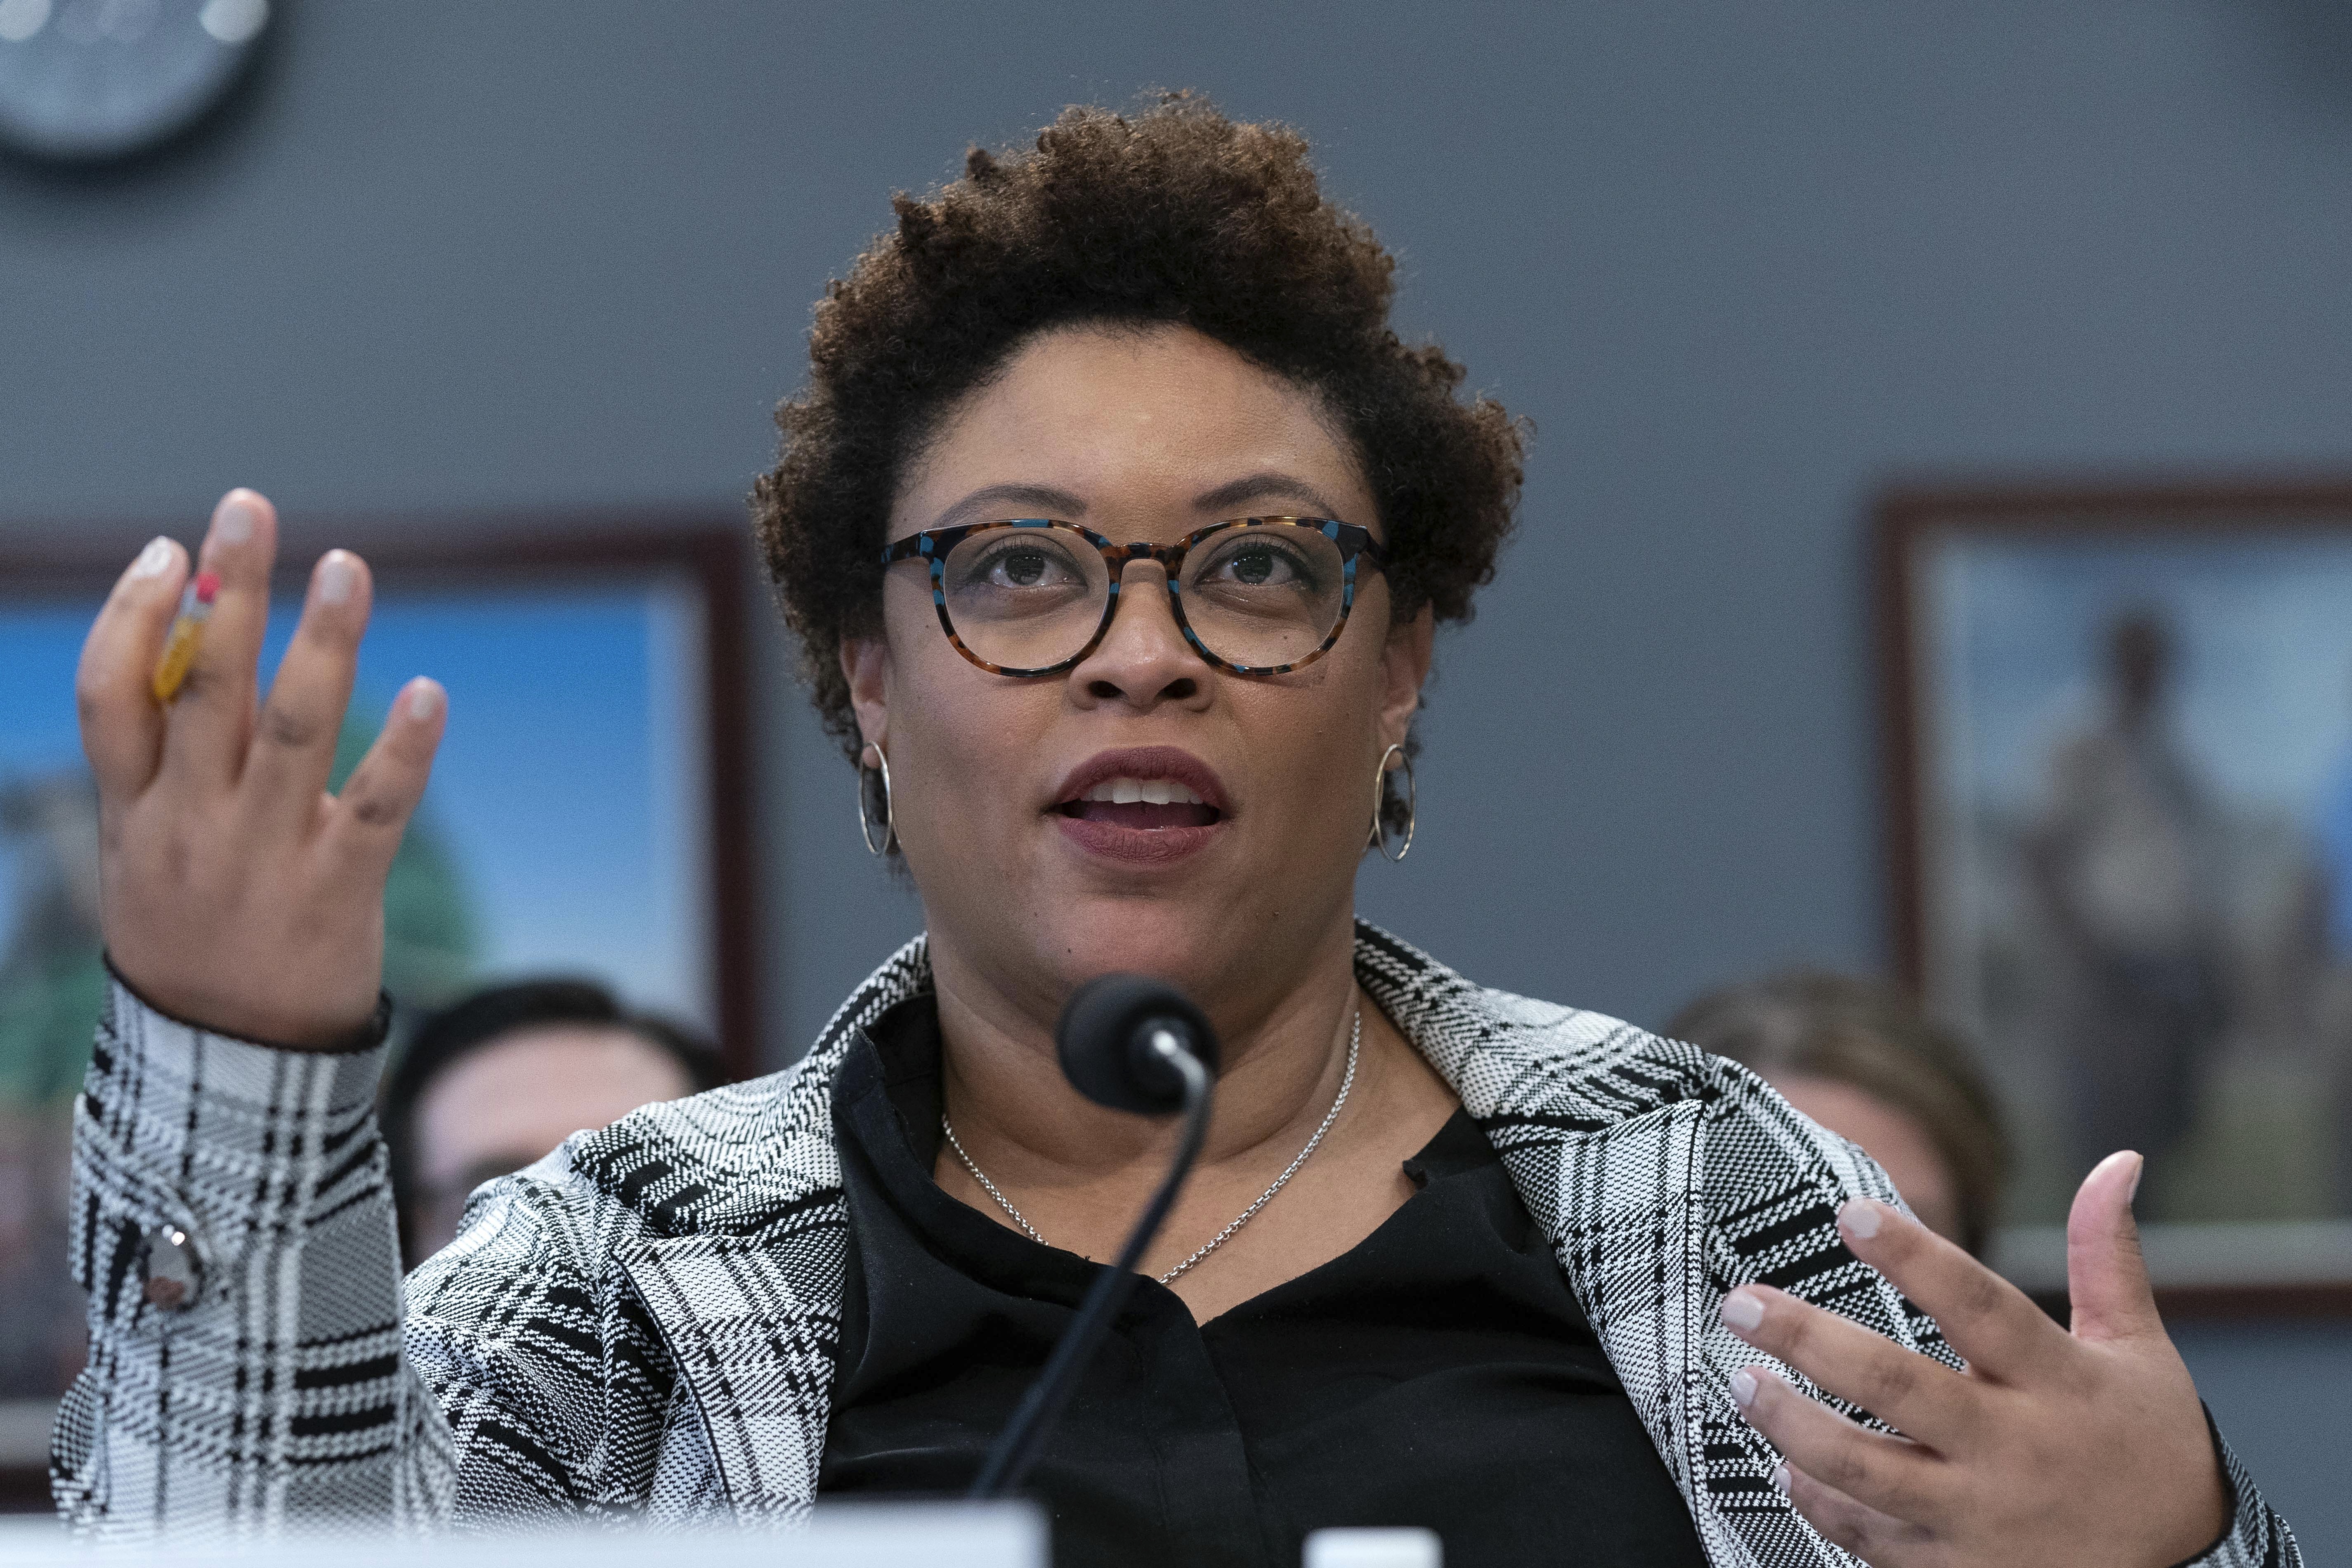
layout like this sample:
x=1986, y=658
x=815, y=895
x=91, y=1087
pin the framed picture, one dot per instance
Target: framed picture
x=2118, y=733
x=589, y=814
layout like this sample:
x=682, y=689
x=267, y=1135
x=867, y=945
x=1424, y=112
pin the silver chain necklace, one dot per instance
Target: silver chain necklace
x=1346, y=1081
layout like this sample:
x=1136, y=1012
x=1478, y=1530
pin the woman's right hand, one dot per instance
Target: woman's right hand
x=237, y=894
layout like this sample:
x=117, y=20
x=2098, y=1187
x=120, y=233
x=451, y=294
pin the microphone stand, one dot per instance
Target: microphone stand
x=1015, y=1450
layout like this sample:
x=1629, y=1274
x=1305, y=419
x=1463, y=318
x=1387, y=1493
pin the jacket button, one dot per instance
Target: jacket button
x=171, y=1269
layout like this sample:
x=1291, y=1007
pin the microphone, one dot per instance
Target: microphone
x=1127, y=1043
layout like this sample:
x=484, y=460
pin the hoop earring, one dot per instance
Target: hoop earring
x=1379, y=801
x=865, y=817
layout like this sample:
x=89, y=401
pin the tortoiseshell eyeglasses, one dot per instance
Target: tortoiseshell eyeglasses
x=1030, y=596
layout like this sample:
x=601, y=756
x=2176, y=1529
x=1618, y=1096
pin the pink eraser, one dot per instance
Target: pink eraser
x=207, y=584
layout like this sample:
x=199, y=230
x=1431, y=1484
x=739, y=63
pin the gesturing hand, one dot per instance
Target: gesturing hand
x=236, y=893
x=2082, y=1447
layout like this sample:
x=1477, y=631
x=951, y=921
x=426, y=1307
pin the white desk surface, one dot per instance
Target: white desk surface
x=842, y=1535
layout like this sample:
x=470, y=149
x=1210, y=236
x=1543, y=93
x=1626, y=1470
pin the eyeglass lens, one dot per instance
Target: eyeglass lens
x=1027, y=598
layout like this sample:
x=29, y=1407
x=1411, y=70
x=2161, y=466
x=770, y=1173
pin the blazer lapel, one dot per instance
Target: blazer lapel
x=1617, y=1203
x=1620, y=1204
x=1604, y=1131
x=752, y=1324
x=744, y=1251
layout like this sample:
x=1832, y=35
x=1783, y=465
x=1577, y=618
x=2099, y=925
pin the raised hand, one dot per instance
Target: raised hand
x=2084, y=1447
x=237, y=893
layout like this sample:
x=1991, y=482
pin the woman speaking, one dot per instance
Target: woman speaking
x=1114, y=522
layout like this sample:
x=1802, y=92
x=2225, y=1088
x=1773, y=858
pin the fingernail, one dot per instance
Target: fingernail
x=1860, y=1218
x=337, y=578
x=235, y=519
x=1743, y=1310
x=2140, y=1170
x=423, y=701
x=1743, y=1388
x=1780, y=1479
x=154, y=560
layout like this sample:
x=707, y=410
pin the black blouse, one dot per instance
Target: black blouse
x=1439, y=1374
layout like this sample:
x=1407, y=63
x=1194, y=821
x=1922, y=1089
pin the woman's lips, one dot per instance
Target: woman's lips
x=1146, y=806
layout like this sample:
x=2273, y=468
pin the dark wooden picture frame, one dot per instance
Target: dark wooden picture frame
x=1924, y=540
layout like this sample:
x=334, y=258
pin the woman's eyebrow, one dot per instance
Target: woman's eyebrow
x=993, y=500
x=1227, y=497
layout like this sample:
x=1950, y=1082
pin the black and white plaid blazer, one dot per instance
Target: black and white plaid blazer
x=643, y=1325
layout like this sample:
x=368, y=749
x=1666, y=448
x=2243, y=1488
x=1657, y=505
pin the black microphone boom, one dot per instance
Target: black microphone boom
x=1132, y=1044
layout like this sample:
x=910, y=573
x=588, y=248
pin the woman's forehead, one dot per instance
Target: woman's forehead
x=1096, y=420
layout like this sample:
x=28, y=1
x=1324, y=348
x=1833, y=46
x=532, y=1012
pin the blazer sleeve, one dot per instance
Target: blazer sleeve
x=257, y=1363
x=2256, y=1536
x=233, y=1225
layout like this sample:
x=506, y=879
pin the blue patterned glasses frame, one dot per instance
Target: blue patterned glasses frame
x=1032, y=595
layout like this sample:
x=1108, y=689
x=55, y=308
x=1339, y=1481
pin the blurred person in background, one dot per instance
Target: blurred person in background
x=1858, y=1057
x=497, y=1079
x=2124, y=859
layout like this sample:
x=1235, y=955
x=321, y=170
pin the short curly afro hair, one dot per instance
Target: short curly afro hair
x=1176, y=214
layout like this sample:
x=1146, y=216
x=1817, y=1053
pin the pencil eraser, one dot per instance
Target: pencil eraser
x=207, y=584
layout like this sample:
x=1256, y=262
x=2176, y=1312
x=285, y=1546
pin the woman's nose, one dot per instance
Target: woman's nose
x=1144, y=659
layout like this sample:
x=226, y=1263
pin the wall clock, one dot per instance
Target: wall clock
x=86, y=80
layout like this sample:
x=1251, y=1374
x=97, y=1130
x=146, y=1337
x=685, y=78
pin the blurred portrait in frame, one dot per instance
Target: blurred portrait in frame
x=2119, y=759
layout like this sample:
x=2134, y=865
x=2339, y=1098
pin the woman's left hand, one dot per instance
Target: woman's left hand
x=2078, y=1447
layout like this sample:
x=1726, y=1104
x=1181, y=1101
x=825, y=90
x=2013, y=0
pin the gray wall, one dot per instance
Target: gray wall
x=1741, y=262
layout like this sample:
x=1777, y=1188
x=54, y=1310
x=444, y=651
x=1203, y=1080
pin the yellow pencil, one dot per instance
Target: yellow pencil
x=187, y=635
